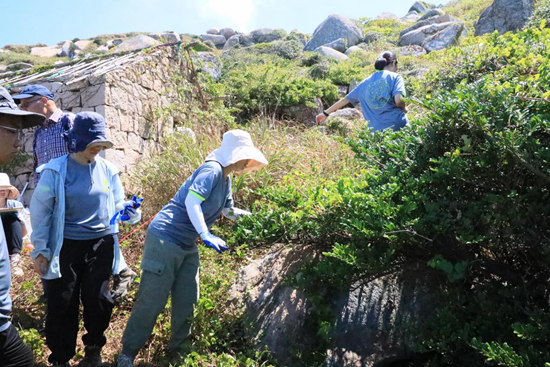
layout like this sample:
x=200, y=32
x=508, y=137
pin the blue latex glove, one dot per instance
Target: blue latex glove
x=130, y=213
x=214, y=242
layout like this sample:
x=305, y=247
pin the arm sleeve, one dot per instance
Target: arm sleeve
x=194, y=211
x=41, y=208
x=399, y=87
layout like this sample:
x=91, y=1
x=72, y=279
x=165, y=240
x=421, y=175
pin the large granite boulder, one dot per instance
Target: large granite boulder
x=227, y=32
x=213, y=31
x=433, y=20
x=411, y=50
x=217, y=39
x=50, y=51
x=432, y=13
x=82, y=44
x=354, y=49
x=209, y=63
x=340, y=45
x=445, y=38
x=504, y=16
x=332, y=53
x=344, y=121
x=418, y=36
x=67, y=49
x=264, y=35
x=421, y=7
x=411, y=17
x=334, y=27
x=136, y=43
x=167, y=37
x=373, y=319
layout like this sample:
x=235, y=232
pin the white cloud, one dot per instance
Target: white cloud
x=238, y=12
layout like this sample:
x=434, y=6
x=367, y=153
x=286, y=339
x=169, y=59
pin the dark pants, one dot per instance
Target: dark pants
x=85, y=270
x=14, y=233
x=13, y=352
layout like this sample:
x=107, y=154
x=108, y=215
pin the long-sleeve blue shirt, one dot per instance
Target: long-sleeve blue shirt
x=5, y=282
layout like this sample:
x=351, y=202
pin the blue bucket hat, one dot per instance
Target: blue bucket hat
x=34, y=90
x=88, y=129
x=8, y=107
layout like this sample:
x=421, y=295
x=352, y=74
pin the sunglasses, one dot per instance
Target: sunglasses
x=26, y=104
x=19, y=132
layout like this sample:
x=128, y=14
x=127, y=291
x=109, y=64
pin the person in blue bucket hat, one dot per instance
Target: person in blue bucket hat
x=13, y=352
x=75, y=248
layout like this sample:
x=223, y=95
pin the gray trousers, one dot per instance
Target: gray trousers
x=166, y=269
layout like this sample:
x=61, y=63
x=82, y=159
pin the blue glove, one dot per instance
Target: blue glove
x=213, y=241
x=130, y=212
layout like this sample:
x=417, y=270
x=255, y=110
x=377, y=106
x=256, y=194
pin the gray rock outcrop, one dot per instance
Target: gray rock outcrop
x=218, y=40
x=332, y=53
x=434, y=36
x=373, y=319
x=137, y=43
x=411, y=50
x=232, y=42
x=504, y=16
x=81, y=45
x=49, y=51
x=102, y=49
x=433, y=20
x=411, y=17
x=334, y=27
x=445, y=38
x=213, y=31
x=264, y=35
x=67, y=49
x=353, y=49
x=421, y=7
x=227, y=32
x=167, y=37
x=341, y=44
x=432, y=13
x=210, y=64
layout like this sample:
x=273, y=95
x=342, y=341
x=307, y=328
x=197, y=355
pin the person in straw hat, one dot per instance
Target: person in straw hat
x=170, y=262
x=75, y=248
x=14, y=226
x=13, y=352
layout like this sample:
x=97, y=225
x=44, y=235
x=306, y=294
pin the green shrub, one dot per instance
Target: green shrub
x=541, y=13
x=270, y=86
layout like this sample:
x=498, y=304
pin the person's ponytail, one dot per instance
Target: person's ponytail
x=384, y=59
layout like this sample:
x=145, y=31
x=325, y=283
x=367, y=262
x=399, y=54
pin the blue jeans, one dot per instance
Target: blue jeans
x=167, y=269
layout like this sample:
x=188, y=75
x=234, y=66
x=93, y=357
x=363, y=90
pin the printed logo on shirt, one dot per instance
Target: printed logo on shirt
x=378, y=93
x=105, y=185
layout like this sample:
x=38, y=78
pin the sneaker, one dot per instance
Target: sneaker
x=125, y=360
x=15, y=264
x=92, y=357
x=121, y=282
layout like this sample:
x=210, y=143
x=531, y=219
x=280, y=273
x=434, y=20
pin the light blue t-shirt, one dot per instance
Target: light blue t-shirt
x=5, y=282
x=86, y=195
x=376, y=96
x=172, y=223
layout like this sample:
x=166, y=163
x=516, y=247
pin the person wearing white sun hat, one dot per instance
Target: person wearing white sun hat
x=14, y=226
x=170, y=262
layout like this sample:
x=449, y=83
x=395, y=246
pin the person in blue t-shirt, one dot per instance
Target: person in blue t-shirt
x=380, y=95
x=13, y=352
x=170, y=262
x=75, y=247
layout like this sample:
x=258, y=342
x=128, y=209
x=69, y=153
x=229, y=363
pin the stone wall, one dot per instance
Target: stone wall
x=129, y=99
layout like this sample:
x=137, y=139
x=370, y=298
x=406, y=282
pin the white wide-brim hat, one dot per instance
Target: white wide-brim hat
x=237, y=146
x=5, y=185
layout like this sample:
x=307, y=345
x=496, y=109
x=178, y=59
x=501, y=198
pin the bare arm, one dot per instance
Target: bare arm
x=320, y=118
x=400, y=103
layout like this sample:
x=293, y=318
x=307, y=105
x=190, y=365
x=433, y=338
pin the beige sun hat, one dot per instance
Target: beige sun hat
x=5, y=185
x=237, y=146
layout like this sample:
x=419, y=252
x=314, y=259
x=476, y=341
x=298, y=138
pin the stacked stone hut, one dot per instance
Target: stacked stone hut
x=126, y=89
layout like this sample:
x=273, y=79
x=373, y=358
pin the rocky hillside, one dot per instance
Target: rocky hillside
x=423, y=247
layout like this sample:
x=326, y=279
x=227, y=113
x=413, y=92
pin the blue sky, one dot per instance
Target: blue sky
x=49, y=22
